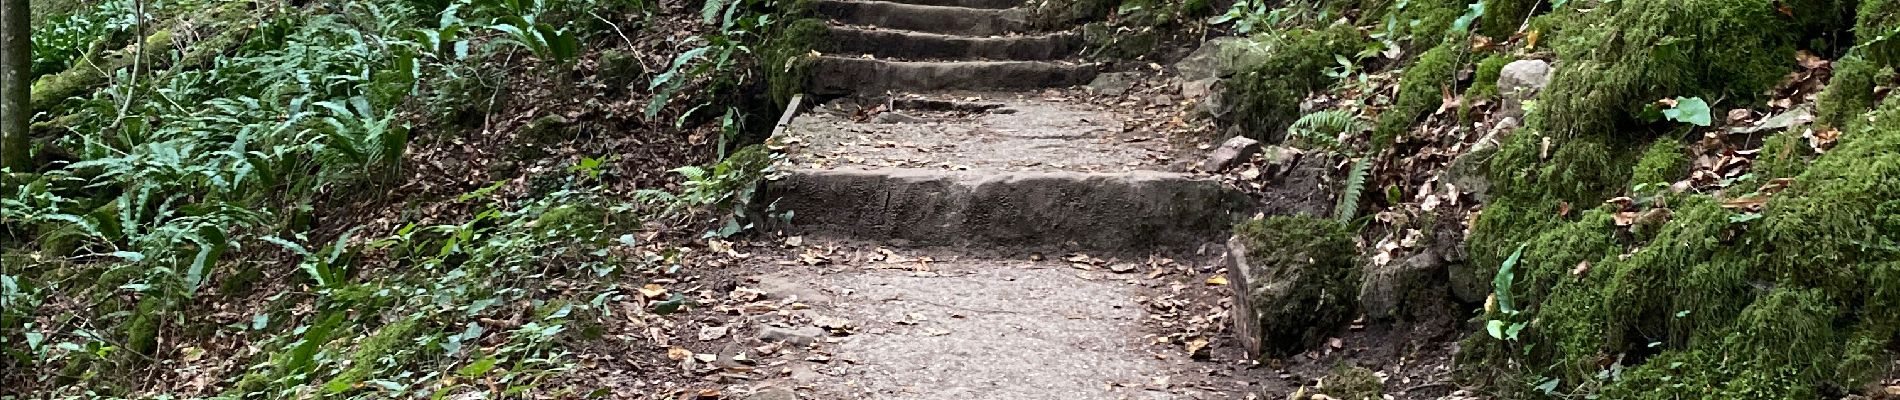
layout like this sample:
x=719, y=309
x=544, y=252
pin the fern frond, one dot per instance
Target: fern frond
x=1323, y=127
x=1348, y=206
x=712, y=10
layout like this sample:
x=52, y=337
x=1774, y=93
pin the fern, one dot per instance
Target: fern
x=1348, y=206
x=1323, y=128
x=710, y=12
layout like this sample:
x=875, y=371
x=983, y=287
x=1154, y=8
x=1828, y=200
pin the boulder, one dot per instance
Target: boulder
x=1206, y=62
x=1466, y=172
x=1294, y=280
x=1403, y=288
x=1234, y=151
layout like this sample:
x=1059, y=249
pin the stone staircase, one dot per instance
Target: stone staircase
x=1035, y=168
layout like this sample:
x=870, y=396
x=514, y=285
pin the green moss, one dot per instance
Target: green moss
x=1666, y=161
x=1783, y=155
x=1715, y=306
x=1637, y=52
x=141, y=333
x=1423, y=23
x=1484, y=81
x=1420, y=92
x=1850, y=94
x=1875, y=20
x=787, y=59
x=1311, y=272
x=1274, y=73
x=1502, y=17
x=369, y=355
x=1352, y=383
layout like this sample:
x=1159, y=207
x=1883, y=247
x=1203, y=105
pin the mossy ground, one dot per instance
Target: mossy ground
x=1421, y=91
x=1715, y=302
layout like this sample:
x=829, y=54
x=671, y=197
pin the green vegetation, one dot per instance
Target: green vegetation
x=1276, y=71
x=212, y=187
x=1720, y=291
x=1314, y=266
x=1421, y=91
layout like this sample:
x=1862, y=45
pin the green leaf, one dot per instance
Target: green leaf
x=1549, y=386
x=1495, y=328
x=1501, y=285
x=671, y=305
x=1691, y=110
x=478, y=368
x=1472, y=12
x=710, y=11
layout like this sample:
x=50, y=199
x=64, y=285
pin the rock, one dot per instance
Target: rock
x=892, y=117
x=1233, y=151
x=1163, y=100
x=1297, y=184
x=709, y=333
x=1519, y=75
x=1518, y=81
x=1196, y=89
x=1293, y=280
x=1112, y=84
x=801, y=337
x=1466, y=172
x=773, y=393
x=1392, y=290
x=1205, y=62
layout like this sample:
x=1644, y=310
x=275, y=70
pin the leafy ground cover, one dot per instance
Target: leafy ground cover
x=368, y=199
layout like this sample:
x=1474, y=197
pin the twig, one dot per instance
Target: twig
x=138, y=62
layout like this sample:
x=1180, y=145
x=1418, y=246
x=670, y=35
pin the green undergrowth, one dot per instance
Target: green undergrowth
x=1421, y=90
x=1276, y=71
x=1688, y=298
x=210, y=162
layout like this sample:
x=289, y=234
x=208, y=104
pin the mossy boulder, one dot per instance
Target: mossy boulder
x=1295, y=279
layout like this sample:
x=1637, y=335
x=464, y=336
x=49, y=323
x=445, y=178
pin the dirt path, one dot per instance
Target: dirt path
x=980, y=329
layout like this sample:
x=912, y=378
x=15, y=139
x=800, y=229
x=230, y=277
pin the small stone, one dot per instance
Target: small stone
x=1524, y=74
x=889, y=117
x=1163, y=100
x=799, y=337
x=1112, y=84
x=712, y=333
x=773, y=393
x=1518, y=81
x=1233, y=151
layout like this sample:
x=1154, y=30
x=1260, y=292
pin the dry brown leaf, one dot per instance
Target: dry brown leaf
x=1217, y=280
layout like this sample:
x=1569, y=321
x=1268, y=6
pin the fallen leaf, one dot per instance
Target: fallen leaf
x=1217, y=280
x=678, y=353
x=1582, y=268
x=652, y=290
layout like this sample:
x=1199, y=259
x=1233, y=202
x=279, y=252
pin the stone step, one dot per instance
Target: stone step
x=842, y=75
x=922, y=18
x=917, y=45
x=1059, y=211
x=990, y=4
